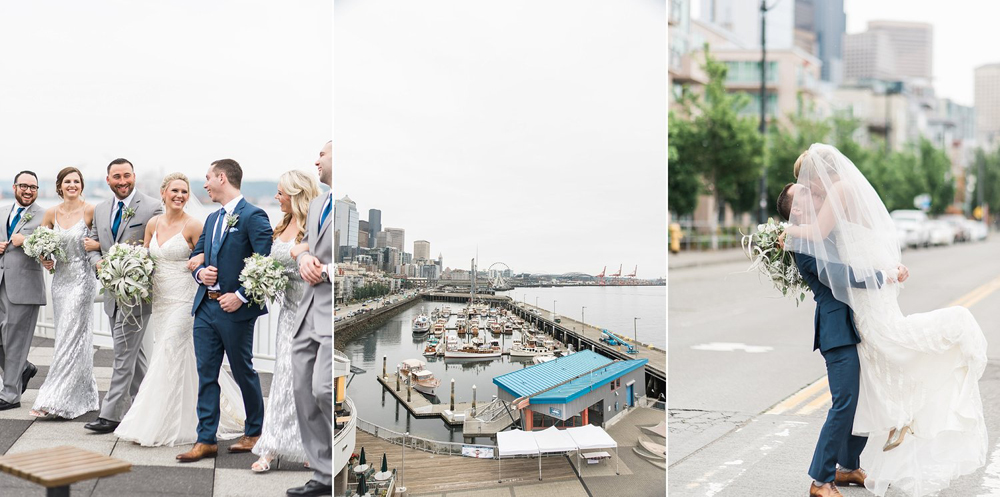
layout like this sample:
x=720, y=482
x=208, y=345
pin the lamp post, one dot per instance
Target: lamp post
x=582, y=314
x=554, y=309
x=762, y=213
x=635, y=330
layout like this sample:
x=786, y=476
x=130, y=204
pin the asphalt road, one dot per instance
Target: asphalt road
x=747, y=395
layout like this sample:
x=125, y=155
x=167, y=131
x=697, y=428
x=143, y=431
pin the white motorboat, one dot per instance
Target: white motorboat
x=472, y=352
x=423, y=381
x=421, y=324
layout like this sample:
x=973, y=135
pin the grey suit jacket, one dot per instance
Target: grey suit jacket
x=20, y=271
x=132, y=230
x=318, y=299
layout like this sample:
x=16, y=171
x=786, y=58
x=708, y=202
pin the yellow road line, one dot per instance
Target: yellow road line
x=800, y=397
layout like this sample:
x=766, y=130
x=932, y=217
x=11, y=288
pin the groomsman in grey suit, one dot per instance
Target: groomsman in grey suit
x=312, y=347
x=22, y=290
x=122, y=219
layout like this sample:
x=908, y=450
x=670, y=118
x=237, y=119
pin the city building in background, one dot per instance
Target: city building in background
x=421, y=250
x=374, y=224
x=987, y=105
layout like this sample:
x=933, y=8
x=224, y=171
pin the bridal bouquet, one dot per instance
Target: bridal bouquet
x=127, y=274
x=264, y=278
x=43, y=243
x=774, y=262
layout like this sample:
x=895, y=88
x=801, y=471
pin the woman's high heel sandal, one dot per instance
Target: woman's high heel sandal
x=262, y=465
x=896, y=438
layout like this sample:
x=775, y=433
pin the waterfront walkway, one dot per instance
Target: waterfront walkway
x=657, y=357
x=154, y=470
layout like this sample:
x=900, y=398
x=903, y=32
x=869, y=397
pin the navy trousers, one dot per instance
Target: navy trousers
x=214, y=333
x=836, y=443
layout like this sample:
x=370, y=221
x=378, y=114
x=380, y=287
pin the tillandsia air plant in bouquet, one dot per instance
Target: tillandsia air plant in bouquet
x=264, y=278
x=43, y=243
x=127, y=275
x=774, y=262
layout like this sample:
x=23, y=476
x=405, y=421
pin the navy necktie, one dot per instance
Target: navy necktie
x=13, y=224
x=217, y=235
x=118, y=219
x=326, y=212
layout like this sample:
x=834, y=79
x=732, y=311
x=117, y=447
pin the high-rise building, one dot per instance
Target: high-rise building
x=421, y=250
x=829, y=25
x=396, y=238
x=742, y=18
x=346, y=220
x=363, y=234
x=374, y=225
x=890, y=50
x=987, y=105
x=381, y=239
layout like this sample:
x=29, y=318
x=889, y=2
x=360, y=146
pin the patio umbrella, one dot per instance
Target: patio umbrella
x=362, y=461
x=384, y=474
x=362, y=487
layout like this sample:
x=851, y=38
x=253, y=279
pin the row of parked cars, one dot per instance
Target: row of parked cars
x=915, y=229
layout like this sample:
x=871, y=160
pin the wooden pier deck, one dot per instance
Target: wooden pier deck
x=426, y=473
x=420, y=407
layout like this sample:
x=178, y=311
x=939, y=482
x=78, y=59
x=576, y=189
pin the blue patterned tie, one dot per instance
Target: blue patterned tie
x=118, y=219
x=217, y=235
x=326, y=212
x=13, y=224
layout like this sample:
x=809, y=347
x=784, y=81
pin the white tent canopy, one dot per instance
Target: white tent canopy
x=552, y=439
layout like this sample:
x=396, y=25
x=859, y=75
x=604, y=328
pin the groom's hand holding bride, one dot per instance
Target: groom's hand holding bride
x=209, y=275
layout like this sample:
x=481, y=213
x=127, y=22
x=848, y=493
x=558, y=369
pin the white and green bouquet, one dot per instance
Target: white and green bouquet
x=127, y=274
x=264, y=278
x=774, y=262
x=43, y=243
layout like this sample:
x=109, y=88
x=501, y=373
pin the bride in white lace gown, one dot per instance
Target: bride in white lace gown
x=165, y=409
x=919, y=401
x=69, y=389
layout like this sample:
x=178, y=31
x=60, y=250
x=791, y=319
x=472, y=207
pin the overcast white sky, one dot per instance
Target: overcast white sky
x=534, y=131
x=169, y=85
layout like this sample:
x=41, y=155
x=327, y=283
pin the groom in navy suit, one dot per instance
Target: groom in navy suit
x=224, y=318
x=836, y=337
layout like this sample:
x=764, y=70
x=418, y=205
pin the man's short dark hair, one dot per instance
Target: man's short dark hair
x=120, y=161
x=232, y=170
x=18, y=175
x=784, y=203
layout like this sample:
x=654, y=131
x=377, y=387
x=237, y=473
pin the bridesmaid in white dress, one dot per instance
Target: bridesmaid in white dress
x=165, y=408
x=69, y=389
x=281, y=437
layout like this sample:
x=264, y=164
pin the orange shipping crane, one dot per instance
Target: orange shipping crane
x=600, y=277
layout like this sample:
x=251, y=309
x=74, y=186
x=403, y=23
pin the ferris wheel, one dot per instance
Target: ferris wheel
x=497, y=273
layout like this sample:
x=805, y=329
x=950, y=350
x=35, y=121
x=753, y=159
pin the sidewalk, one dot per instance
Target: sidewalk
x=693, y=258
x=154, y=470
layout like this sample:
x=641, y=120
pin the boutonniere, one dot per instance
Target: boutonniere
x=231, y=220
x=27, y=217
x=128, y=213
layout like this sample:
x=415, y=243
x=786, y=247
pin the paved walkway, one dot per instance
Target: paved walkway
x=693, y=258
x=154, y=470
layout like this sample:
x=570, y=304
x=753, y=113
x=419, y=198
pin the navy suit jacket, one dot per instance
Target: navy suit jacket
x=251, y=234
x=834, y=320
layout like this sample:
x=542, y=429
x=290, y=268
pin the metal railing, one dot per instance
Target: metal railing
x=418, y=443
x=698, y=235
x=265, y=330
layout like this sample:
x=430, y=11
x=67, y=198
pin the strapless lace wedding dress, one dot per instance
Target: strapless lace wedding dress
x=165, y=409
x=920, y=370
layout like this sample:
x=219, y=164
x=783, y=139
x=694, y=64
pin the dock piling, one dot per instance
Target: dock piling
x=383, y=366
x=473, y=400
x=397, y=378
x=453, y=395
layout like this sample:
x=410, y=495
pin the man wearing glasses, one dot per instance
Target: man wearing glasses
x=22, y=289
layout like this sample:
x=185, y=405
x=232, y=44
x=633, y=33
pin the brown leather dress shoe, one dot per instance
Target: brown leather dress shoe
x=856, y=477
x=199, y=452
x=244, y=444
x=824, y=490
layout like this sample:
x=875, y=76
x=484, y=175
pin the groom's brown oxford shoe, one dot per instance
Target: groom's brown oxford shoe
x=244, y=444
x=199, y=452
x=856, y=477
x=824, y=490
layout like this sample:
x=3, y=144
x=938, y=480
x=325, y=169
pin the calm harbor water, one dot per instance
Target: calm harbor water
x=395, y=339
x=610, y=307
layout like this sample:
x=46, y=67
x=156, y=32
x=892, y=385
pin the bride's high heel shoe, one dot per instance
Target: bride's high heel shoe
x=263, y=465
x=896, y=438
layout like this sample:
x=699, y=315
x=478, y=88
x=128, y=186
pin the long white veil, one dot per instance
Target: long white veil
x=841, y=221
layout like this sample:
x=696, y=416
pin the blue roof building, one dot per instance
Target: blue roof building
x=578, y=389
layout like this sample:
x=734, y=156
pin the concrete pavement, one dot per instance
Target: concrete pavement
x=746, y=394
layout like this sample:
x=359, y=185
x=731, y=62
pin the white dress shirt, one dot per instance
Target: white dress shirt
x=114, y=207
x=229, y=208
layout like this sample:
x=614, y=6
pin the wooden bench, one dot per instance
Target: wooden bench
x=58, y=467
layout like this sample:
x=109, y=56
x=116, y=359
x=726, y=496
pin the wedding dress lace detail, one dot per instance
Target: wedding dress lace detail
x=69, y=389
x=920, y=370
x=165, y=409
x=281, y=436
